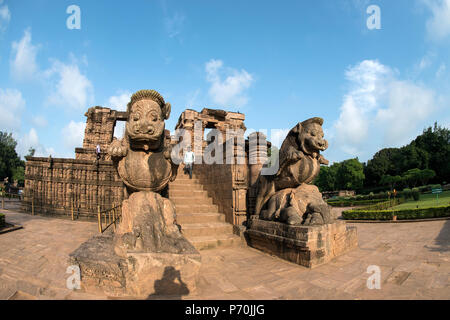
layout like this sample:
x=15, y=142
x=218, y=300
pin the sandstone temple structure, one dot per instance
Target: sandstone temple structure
x=212, y=214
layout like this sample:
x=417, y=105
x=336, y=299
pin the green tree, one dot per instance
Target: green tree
x=326, y=180
x=382, y=163
x=9, y=160
x=31, y=152
x=426, y=175
x=391, y=181
x=18, y=175
x=413, y=176
x=350, y=175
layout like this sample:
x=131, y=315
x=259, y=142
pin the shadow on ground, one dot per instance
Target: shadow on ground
x=170, y=287
x=442, y=242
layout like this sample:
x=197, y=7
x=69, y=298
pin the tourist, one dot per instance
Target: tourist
x=97, y=151
x=189, y=159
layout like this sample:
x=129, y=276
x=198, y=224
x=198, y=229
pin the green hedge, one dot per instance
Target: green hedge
x=407, y=214
x=383, y=205
x=2, y=220
x=352, y=203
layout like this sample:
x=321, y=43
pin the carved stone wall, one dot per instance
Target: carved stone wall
x=208, y=119
x=54, y=185
x=227, y=183
x=100, y=124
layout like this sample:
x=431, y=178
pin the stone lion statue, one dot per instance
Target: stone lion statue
x=286, y=195
x=142, y=157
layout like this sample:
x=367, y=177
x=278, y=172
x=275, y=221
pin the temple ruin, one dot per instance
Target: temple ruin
x=84, y=184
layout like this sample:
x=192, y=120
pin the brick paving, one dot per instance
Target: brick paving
x=414, y=259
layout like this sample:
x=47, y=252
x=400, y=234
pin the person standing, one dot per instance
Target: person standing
x=189, y=159
x=98, y=152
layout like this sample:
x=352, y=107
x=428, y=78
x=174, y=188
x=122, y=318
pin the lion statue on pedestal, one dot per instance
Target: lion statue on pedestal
x=287, y=196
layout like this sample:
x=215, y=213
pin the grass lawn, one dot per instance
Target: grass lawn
x=426, y=201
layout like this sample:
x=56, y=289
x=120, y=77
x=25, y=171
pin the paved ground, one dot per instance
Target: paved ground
x=414, y=259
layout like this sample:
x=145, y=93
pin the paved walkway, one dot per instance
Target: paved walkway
x=414, y=259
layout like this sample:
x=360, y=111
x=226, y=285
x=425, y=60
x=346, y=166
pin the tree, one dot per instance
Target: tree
x=413, y=176
x=9, y=160
x=18, y=175
x=350, y=175
x=391, y=181
x=326, y=180
x=436, y=141
x=31, y=152
x=426, y=175
x=382, y=163
x=430, y=150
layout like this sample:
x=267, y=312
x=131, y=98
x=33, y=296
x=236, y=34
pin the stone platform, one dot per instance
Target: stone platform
x=308, y=246
x=140, y=274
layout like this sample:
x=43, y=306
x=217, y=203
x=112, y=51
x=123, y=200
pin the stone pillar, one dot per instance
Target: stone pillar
x=257, y=155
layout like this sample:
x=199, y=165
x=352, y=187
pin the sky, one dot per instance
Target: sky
x=279, y=63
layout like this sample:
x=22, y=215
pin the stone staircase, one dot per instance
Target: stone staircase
x=201, y=222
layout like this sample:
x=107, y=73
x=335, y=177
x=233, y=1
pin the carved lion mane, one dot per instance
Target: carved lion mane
x=299, y=160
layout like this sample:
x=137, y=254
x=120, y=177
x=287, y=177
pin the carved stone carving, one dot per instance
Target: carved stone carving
x=142, y=157
x=147, y=243
x=286, y=195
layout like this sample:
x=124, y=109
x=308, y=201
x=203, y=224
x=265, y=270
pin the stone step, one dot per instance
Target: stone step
x=210, y=242
x=206, y=229
x=186, y=179
x=186, y=218
x=192, y=187
x=196, y=208
x=187, y=193
x=191, y=200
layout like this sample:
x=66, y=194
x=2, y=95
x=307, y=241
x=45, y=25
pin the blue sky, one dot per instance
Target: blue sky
x=278, y=62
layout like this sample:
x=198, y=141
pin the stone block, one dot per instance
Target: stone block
x=139, y=274
x=308, y=246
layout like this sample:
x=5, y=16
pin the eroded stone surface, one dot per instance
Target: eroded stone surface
x=147, y=250
x=308, y=246
x=299, y=163
x=33, y=260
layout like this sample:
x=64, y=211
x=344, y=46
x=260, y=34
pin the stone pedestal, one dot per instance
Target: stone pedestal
x=308, y=246
x=147, y=255
x=139, y=274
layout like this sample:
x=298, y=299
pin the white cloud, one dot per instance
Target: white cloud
x=119, y=102
x=12, y=104
x=174, y=24
x=5, y=16
x=23, y=64
x=408, y=106
x=192, y=98
x=277, y=136
x=438, y=26
x=441, y=70
x=39, y=121
x=31, y=140
x=425, y=62
x=70, y=88
x=380, y=110
x=73, y=135
x=229, y=91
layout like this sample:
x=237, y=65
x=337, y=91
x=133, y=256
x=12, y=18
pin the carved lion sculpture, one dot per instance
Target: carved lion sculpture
x=142, y=157
x=299, y=163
